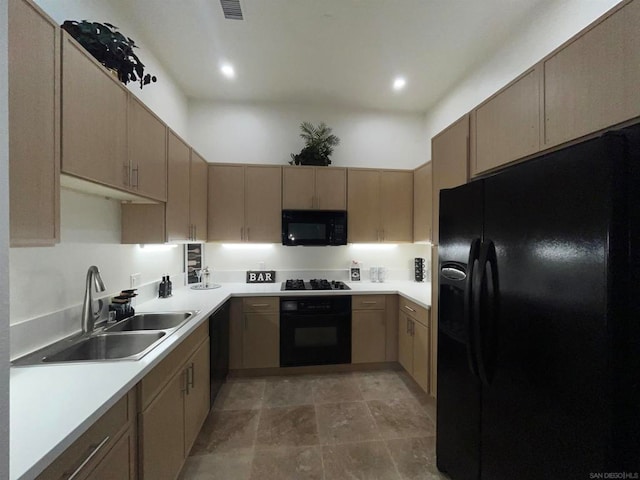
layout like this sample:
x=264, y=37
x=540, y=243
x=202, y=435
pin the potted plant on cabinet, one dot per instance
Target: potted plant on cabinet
x=111, y=48
x=319, y=145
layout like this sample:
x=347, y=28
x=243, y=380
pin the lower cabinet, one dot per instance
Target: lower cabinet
x=254, y=333
x=107, y=450
x=414, y=341
x=174, y=402
x=373, y=328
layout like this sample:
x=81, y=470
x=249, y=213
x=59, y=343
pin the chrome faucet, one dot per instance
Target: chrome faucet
x=89, y=317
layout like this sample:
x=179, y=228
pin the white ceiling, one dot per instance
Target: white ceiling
x=335, y=52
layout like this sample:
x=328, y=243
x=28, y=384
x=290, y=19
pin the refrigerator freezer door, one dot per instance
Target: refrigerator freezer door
x=458, y=412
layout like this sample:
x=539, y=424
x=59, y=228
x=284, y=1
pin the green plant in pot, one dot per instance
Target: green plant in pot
x=111, y=48
x=319, y=144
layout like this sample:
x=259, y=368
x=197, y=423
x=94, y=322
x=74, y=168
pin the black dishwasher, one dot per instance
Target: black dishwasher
x=219, y=338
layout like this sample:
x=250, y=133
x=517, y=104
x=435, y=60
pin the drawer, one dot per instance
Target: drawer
x=368, y=302
x=95, y=443
x=156, y=379
x=414, y=310
x=260, y=304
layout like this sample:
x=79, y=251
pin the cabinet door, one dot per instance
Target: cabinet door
x=196, y=401
x=363, y=205
x=396, y=206
x=198, y=197
x=147, y=142
x=34, y=113
x=368, y=336
x=142, y=223
x=225, y=209
x=592, y=83
x=298, y=192
x=507, y=127
x=261, y=340
x=263, y=207
x=421, y=355
x=450, y=161
x=119, y=463
x=179, y=155
x=94, y=119
x=422, y=203
x=405, y=342
x=161, y=446
x=331, y=188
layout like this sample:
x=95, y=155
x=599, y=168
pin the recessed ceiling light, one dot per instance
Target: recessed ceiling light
x=399, y=83
x=227, y=70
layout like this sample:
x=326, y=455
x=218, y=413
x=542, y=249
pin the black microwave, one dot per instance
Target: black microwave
x=314, y=227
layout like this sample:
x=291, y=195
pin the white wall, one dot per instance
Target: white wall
x=556, y=23
x=163, y=97
x=4, y=249
x=269, y=133
x=49, y=279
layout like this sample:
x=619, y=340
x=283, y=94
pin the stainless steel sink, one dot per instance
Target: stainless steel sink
x=152, y=321
x=107, y=346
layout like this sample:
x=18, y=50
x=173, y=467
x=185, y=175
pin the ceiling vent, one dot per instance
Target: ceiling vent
x=231, y=9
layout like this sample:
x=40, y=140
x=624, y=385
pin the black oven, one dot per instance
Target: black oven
x=314, y=227
x=315, y=330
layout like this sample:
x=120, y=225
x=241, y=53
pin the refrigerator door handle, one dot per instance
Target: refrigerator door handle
x=486, y=303
x=470, y=318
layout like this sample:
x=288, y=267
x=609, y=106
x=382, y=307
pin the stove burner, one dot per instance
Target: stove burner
x=320, y=284
x=295, y=285
x=314, y=284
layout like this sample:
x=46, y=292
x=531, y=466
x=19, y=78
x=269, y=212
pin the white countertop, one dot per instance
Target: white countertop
x=52, y=405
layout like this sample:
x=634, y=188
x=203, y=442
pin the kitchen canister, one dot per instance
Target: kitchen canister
x=373, y=274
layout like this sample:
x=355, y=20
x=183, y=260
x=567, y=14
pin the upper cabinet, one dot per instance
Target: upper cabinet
x=198, y=197
x=94, y=119
x=321, y=188
x=245, y=203
x=592, y=82
x=422, y=185
x=380, y=205
x=34, y=126
x=147, y=140
x=507, y=126
x=450, y=160
x=179, y=158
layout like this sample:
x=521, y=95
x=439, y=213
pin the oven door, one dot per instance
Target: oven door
x=314, y=339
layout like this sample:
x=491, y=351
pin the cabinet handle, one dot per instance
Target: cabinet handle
x=383, y=234
x=93, y=453
x=248, y=230
x=190, y=377
x=241, y=233
x=126, y=174
x=413, y=328
x=135, y=185
x=369, y=302
x=185, y=387
x=378, y=235
x=409, y=308
x=259, y=304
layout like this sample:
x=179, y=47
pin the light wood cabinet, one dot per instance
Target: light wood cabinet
x=94, y=119
x=374, y=327
x=450, y=162
x=198, y=197
x=254, y=333
x=422, y=187
x=592, y=82
x=244, y=203
x=107, y=450
x=306, y=188
x=147, y=142
x=177, y=207
x=507, y=126
x=174, y=401
x=380, y=205
x=34, y=125
x=414, y=341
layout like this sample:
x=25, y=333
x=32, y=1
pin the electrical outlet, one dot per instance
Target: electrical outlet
x=134, y=280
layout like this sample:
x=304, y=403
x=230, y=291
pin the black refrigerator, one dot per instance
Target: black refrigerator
x=539, y=317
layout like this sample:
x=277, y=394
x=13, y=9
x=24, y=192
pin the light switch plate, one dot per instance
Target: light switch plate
x=134, y=280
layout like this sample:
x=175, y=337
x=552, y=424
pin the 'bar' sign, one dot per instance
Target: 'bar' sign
x=261, y=276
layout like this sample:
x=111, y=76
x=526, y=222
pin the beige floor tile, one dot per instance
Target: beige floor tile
x=336, y=388
x=345, y=422
x=303, y=463
x=241, y=395
x=401, y=418
x=415, y=458
x=286, y=391
x=363, y=461
x=234, y=465
x=380, y=385
x=426, y=400
x=227, y=430
x=287, y=427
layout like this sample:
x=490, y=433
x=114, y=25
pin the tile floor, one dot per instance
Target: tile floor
x=364, y=425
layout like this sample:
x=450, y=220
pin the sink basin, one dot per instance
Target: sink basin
x=107, y=346
x=152, y=321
